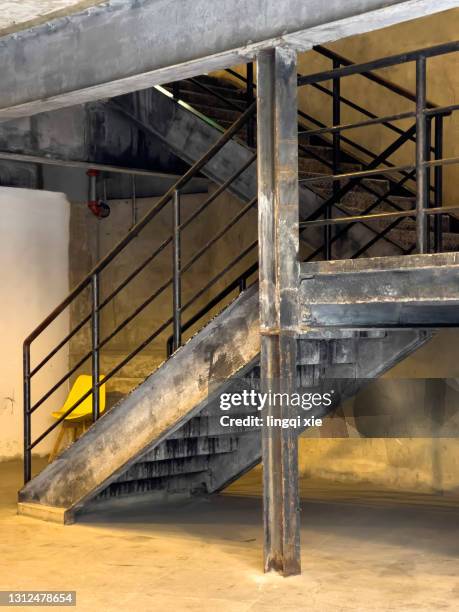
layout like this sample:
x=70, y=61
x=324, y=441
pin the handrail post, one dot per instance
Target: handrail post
x=336, y=120
x=27, y=422
x=438, y=182
x=177, y=283
x=428, y=180
x=421, y=170
x=249, y=101
x=95, y=329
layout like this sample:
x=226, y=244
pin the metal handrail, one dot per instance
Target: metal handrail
x=342, y=67
x=344, y=139
x=181, y=182
x=385, y=62
x=376, y=78
x=91, y=280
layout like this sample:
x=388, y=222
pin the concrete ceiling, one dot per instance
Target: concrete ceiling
x=16, y=15
x=128, y=45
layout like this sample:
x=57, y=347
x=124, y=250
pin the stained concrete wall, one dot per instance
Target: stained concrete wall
x=91, y=239
x=34, y=237
x=442, y=80
x=442, y=86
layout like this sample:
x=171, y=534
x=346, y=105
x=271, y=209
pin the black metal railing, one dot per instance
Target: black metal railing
x=92, y=283
x=420, y=133
x=429, y=200
x=413, y=179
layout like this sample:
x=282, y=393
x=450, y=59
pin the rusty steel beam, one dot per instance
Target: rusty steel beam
x=76, y=58
x=278, y=210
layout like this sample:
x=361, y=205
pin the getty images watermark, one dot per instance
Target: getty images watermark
x=258, y=401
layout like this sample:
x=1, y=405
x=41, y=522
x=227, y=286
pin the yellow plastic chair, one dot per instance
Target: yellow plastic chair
x=78, y=421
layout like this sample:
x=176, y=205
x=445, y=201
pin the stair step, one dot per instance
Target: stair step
x=224, y=88
x=217, y=113
x=307, y=165
x=222, y=85
x=197, y=97
x=323, y=152
x=361, y=200
x=380, y=186
x=406, y=238
x=183, y=483
x=160, y=469
x=191, y=447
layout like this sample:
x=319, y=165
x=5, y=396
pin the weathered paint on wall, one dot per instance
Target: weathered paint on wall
x=34, y=236
x=442, y=81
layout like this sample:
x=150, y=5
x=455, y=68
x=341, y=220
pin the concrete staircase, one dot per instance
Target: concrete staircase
x=314, y=153
x=167, y=434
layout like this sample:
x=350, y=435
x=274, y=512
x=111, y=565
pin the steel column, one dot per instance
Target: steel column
x=27, y=405
x=279, y=276
x=422, y=193
x=177, y=281
x=95, y=330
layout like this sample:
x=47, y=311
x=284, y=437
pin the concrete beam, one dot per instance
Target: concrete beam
x=126, y=45
x=409, y=291
x=151, y=413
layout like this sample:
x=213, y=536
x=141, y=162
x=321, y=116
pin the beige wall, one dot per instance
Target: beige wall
x=443, y=85
x=425, y=464
x=34, y=236
x=92, y=238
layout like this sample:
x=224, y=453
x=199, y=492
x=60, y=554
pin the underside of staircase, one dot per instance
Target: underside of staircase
x=315, y=326
x=167, y=434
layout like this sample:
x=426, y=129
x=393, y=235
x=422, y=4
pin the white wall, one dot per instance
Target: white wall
x=34, y=239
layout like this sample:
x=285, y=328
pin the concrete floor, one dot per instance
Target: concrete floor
x=361, y=551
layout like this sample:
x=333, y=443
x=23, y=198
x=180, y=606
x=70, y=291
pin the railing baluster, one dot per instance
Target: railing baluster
x=249, y=101
x=95, y=330
x=27, y=420
x=177, y=281
x=438, y=183
x=428, y=180
x=421, y=171
x=336, y=120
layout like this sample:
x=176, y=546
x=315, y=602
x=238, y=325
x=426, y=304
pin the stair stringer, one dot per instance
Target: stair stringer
x=178, y=390
x=189, y=137
x=375, y=357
